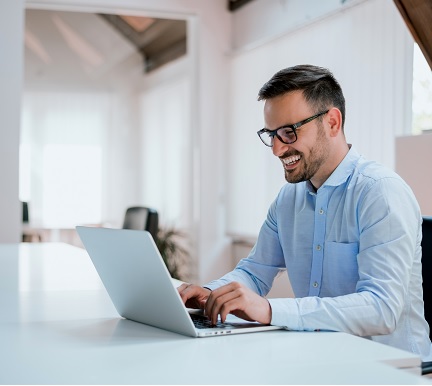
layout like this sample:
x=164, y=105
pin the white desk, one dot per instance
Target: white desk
x=58, y=326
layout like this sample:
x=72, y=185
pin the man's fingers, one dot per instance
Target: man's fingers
x=232, y=298
x=193, y=296
x=229, y=306
x=211, y=299
x=183, y=291
x=221, y=302
x=239, y=300
x=183, y=287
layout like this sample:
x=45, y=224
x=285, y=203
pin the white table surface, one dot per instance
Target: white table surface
x=58, y=326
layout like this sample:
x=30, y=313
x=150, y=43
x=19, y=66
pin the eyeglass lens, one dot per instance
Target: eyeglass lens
x=285, y=134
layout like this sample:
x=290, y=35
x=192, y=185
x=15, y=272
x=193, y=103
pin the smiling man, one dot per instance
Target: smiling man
x=346, y=230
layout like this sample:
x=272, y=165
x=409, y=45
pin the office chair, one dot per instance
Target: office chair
x=25, y=212
x=142, y=218
x=28, y=234
x=427, y=282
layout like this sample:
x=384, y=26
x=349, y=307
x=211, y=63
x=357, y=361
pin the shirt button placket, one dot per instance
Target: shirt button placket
x=319, y=237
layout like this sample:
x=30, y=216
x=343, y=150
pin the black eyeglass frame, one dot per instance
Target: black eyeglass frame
x=293, y=127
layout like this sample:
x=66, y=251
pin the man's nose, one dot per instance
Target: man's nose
x=279, y=148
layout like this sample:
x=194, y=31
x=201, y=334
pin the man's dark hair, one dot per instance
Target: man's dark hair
x=320, y=88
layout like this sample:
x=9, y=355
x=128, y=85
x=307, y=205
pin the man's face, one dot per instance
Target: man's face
x=306, y=158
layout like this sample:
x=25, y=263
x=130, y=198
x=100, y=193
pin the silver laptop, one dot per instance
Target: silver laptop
x=140, y=286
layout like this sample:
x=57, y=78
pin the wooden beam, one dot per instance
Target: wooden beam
x=417, y=15
x=236, y=4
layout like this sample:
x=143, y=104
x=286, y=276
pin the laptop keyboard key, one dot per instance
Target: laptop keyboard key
x=202, y=322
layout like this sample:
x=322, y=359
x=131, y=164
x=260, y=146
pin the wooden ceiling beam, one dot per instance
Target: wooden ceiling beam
x=417, y=15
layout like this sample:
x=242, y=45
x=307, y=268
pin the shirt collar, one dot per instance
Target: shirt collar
x=344, y=169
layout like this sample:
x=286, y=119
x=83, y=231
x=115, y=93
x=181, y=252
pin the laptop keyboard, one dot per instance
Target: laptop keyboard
x=202, y=322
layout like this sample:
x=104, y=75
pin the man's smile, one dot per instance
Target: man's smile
x=290, y=162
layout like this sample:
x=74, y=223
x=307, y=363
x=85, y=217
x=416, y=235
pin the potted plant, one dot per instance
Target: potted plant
x=174, y=254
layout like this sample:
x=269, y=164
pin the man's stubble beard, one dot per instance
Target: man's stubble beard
x=318, y=156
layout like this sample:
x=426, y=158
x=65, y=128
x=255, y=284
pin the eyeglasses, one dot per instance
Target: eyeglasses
x=286, y=134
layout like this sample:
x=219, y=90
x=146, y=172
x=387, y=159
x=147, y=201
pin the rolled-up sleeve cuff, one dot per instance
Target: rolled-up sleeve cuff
x=285, y=314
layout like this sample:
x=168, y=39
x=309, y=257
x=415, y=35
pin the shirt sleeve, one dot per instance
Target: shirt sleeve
x=389, y=220
x=264, y=262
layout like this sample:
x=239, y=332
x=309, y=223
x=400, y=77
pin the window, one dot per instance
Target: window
x=72, y=185
x=422, y=94
x=61, y=157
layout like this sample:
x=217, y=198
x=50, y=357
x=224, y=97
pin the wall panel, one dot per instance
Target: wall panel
x=11, y=57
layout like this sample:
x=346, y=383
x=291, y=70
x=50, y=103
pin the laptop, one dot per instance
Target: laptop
x=141, y=288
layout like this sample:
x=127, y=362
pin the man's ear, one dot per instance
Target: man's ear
x=334, y=120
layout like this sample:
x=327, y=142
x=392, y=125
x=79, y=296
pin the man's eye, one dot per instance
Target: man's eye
x=288, y=133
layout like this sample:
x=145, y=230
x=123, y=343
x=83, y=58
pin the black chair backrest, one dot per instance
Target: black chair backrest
x=427, y=268
x=25, y=212
x=142, y=218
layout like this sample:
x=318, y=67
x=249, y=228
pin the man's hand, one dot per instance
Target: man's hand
x=193, y=296
x=239, y=300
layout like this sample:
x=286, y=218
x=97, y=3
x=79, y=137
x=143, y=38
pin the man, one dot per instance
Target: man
x=347, y=230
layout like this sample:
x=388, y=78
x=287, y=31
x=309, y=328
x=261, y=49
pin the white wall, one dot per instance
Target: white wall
x=368, y=48
x=11, y=65
x=261, y=20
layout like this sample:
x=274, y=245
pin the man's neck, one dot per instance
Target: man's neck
x=313, y=186
x=317, y=181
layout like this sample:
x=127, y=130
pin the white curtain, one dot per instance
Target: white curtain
x=165, y=151
x=62, y=150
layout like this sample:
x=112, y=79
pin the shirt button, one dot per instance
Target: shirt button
x=321, y=211
x=315, y=284
x=318, y=247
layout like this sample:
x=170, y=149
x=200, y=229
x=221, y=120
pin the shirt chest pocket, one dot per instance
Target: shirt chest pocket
x=340, y=268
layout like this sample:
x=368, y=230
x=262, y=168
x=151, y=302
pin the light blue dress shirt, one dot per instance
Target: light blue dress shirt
x=353, y=256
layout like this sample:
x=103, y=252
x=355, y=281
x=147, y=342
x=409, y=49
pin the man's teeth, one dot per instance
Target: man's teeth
x=291, y=160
